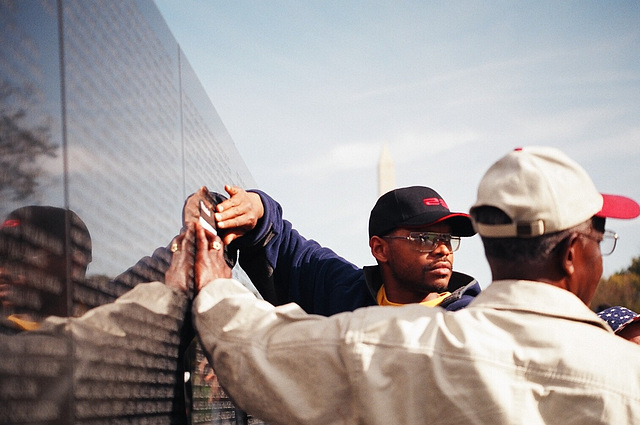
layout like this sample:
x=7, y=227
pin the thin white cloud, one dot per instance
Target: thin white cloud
x=448, y=87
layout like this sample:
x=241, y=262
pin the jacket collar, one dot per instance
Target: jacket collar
x=538, y=298
x=458, y=283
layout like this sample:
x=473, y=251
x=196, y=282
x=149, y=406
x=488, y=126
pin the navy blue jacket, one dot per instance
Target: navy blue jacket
x=286, y=267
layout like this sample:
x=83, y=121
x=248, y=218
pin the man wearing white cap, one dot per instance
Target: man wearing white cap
x=535, y=204
x=526, y=350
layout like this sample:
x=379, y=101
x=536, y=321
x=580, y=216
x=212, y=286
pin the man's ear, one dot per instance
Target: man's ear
x=379, y=249
x=567, y=254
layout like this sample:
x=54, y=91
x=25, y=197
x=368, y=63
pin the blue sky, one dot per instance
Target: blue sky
x=311, y=91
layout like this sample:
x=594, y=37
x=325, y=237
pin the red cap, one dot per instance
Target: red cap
x=617, y=206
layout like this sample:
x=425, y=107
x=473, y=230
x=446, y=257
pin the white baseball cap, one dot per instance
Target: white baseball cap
x=544, y=191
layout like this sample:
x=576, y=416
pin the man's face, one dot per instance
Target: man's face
x=31, y=281
x=420, y=272
x=588, y=265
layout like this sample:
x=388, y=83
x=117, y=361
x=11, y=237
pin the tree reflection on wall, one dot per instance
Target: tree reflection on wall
x=22, y=144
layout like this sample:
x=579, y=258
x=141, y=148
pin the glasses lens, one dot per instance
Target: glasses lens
x=429, y=241
x=424, y=241
x=608, y=243
x=455, y=243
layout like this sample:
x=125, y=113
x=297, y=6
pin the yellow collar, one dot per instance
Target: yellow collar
x=383, y=300
x=25, y=325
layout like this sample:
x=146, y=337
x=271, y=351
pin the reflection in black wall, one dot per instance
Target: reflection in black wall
x=104, y=131
x=23, y=144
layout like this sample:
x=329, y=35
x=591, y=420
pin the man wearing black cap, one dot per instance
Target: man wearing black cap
x=413, y=235
x=33, y=266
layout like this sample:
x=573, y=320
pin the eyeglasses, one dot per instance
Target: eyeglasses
x=428, y=241
x=607, y=243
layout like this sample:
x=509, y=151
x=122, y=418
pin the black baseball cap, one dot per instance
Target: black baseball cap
x=412, y=207
x=45, y=227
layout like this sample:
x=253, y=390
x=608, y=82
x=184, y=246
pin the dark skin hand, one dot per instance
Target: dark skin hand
x=191, y=210
x=631, y=332
x=210, y=263
x=235, y=216
x=180, y=271
x=209, y=259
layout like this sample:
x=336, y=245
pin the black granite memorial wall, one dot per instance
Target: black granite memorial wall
x=104, y=131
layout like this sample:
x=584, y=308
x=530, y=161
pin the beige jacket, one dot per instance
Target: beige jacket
x=522, y=353
x=117, y=362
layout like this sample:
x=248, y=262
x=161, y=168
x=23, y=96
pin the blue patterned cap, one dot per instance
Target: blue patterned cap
x=618, y=317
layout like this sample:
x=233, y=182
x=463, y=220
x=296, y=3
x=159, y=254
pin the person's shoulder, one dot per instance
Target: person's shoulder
x=368, y=318
x=464, y=288
x=461, y=280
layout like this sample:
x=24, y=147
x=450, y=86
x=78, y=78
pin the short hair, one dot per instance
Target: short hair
x=537, y=249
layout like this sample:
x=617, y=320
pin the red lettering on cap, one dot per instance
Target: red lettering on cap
x=11, y=223
x=430, y=202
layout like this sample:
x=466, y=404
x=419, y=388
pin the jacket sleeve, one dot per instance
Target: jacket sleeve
x=149, y=302
x=128, y=346
x=286, y=267
x=278, y=363
x=466, y=289
x=147, y=269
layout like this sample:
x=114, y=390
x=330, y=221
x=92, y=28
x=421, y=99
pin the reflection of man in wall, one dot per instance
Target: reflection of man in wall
x=39, y=263
x=119, y=362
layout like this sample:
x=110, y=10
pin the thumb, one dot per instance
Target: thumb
x=230, y=237
x=231, y=190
